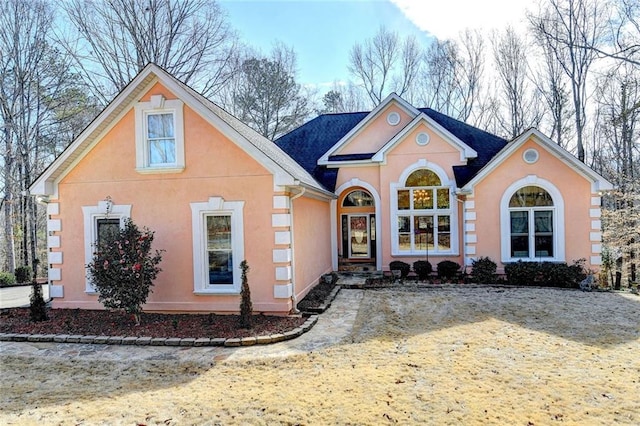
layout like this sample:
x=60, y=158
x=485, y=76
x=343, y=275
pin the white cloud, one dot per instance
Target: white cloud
x=446, y=19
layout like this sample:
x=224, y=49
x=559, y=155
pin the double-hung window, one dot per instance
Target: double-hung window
x=423, y=219
x=159, y=135
x=531, y=213
x=218, y=246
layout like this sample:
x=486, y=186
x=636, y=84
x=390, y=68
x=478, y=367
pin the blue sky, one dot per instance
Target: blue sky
x=323, y=31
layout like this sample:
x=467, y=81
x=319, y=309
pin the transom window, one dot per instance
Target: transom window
x=423, y=218
x=358, y=198
x=531, y=213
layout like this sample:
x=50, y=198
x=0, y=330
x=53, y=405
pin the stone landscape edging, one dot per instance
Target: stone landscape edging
x=163, y=341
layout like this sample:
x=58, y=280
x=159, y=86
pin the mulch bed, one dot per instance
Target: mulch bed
x=110, y=323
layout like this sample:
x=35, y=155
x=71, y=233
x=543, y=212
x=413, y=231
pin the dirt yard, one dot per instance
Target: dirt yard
x=456, y=355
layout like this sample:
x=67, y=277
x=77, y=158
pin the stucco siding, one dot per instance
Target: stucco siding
x=312, y=243
x=215, y=167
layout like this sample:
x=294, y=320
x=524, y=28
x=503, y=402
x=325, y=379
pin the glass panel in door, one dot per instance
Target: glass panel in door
x=359, y=236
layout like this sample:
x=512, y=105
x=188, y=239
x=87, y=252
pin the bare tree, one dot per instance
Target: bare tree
x=569, y=26
x=550, y=81
x=34, y=83
x=624, y=37
x=115, y=39
x=264, y=93
x=343, y=98
x=385, y=64
x=452, y=74
x=618, y=100
x=510, y=56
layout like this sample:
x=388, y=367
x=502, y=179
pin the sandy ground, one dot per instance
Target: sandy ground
x=438, y=356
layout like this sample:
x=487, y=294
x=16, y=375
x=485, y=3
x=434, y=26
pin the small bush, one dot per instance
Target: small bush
x=423, y=268
x=521, y=273
x=38, y=307
x=483, y=271
x=403, y=267
x=23, y=274
x=7, y=279
x=246, y=307
x=546, y=274
x=448, y=269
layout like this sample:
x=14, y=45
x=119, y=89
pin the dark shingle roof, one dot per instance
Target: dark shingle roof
x=309, y=142
x=486, y=144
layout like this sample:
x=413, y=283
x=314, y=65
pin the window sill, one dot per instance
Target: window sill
x=217, y=292
x=158, y=170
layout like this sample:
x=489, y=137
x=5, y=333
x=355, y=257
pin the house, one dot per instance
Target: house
x=395, y=183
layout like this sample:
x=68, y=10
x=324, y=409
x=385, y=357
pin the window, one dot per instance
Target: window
x=423, y=216
x=159, y=136
x=161, y=141
x=99, y=221
x=531, y=219
x=218, y=246
x=358, y=198
x=106, y=227
x=219, y=253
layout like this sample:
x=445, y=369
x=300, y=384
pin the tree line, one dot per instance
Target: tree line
x=573, y=71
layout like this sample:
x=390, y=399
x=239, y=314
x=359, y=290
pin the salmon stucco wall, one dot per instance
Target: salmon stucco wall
x=484, y=234
x=312, y=243
x=215, y=167
x=377, y=132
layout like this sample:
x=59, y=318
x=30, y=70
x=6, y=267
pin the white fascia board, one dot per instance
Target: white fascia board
x=466, y=151
x=44, y=184
x=598, y=183
x=406, y=106
x=350, y=163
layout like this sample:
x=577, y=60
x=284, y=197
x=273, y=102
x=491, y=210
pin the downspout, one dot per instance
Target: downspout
x=294, y=300
x=463, y=228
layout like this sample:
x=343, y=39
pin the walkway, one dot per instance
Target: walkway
x=18, y=296
x=332, y=327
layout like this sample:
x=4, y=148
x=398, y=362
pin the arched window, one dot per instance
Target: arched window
x=423, y=214
x=358, y=198
x=531, y=213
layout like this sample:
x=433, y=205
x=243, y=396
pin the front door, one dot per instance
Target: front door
x=359, y=232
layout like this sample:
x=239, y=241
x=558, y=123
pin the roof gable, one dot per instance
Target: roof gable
x=465, y=150
x=371, y=117
x=286, y=171
x=598, y=183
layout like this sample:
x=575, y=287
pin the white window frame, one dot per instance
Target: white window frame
x=558, y=220
x=91, y=215
x=216, y=206
x=452, y=211
x=159, y=105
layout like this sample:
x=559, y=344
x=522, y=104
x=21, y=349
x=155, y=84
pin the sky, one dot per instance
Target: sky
x=322, y=32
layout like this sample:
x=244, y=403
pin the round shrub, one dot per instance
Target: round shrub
x=483, y=271
x=403, y=267
x=447, y=269
x=423, y=268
